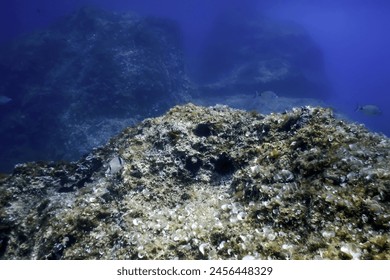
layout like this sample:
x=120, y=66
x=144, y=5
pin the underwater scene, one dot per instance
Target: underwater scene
x=194, y=130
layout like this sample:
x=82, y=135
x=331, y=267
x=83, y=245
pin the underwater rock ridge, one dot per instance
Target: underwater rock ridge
x=208, y=183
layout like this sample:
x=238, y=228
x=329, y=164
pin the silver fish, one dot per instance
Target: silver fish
x=369, y=110
x=114, y=166
x=4, y=99
x=266, y=95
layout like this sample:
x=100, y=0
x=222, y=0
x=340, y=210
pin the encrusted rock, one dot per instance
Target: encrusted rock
x=208, y=183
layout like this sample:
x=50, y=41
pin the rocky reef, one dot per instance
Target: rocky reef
x=208, y=183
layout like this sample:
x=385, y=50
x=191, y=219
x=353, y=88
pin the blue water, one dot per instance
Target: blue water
x=354, y=39
x=353, y=36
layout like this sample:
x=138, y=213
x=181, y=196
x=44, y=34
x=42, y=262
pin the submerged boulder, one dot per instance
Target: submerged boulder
x=81, y=81
x=260, y=54
x=208, y=183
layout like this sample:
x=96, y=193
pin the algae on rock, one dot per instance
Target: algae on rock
x=208, y=183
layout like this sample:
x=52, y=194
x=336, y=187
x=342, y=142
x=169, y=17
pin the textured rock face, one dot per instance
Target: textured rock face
x=246, y=56
x=208, y=183
x=78, y=83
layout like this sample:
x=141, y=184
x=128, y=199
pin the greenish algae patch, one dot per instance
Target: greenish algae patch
x=208, y=183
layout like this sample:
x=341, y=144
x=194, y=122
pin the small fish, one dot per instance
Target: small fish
x=114, y=166
x=369, y=110
x=4, y=99
x=266, y=95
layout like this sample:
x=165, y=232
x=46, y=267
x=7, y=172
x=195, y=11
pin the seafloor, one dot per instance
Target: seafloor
x=208, y=183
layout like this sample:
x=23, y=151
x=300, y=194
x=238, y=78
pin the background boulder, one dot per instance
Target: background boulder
x=84, y=79
x=256, y=55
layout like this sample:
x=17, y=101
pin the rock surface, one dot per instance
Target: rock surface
x=81, y=81
x=208, y=183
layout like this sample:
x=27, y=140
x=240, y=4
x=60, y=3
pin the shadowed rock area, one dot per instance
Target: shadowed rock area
x=208, y=183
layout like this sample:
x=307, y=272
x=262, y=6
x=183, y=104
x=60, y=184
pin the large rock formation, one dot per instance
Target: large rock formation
x=208, y=183
x=260, y=54
x=81, y=81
